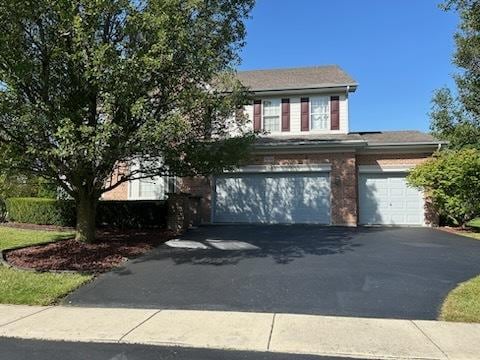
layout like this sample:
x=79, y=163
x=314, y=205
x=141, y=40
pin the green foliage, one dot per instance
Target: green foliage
x=41, y=211
x=117, y=214
x=132, y=214
x=452, y=180
x=451, y=122
x=457, y=118
x=23, y=186
x=88, y=87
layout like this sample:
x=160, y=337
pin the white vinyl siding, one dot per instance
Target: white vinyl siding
x=289, y=197
x=271, y=115
x=295, y=120
x=319, y=113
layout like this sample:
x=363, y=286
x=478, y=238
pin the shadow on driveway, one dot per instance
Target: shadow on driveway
x=371, y=272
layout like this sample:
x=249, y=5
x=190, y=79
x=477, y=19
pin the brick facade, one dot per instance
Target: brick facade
x=344, y=184
x=392, y=159
x=121, y=191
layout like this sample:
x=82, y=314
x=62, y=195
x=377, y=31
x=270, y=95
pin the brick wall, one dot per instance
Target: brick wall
x=121, y=191
x=392, y=159
x=199, y=186
x=343, y=175
x=344, y=188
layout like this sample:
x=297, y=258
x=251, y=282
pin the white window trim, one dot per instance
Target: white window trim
x=133, y=188
x=329, y=121
x=279, y=115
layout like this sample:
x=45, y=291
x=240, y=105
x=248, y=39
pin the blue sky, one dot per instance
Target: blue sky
x=399, y=51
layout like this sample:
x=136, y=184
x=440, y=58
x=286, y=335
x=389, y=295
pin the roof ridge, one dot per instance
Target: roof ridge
x=293, y=68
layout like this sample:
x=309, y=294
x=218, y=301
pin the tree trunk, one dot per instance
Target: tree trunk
x=86, y=210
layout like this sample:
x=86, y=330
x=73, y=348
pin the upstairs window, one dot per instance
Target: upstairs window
x=271, y=115
x=319, y=113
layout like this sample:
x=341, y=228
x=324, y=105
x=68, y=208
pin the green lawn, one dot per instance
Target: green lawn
x=11, y=237
x=475, y=223
x=475, y=233
x=24, y=287
x=30, y=288
x=463, y=303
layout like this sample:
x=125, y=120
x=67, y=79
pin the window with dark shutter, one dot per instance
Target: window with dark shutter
x=285, y=114
x=304, y=114
x=335, y=113
x=257, y=115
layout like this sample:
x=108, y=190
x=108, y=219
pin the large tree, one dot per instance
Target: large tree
x=456, y=118
x=89, y=86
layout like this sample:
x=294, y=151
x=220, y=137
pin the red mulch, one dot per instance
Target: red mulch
x=456, y=230
x=109, y=251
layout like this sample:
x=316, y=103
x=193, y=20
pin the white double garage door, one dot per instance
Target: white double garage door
x=304, y=197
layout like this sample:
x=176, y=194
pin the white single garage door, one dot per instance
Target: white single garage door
x=272, y=198
x=386, y=199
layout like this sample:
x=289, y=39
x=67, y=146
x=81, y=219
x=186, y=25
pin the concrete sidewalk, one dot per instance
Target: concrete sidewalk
x=281, y=333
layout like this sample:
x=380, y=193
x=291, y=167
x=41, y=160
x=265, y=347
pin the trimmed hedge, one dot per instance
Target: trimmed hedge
x=41, y=211
x=118, y=214
x=132, y=214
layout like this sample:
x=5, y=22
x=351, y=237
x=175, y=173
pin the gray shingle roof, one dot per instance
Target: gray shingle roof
x=371, y=138
x=296, y=78
x=387, y=137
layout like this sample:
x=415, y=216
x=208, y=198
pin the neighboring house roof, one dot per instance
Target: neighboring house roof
x=360, y=139
x=328, y=76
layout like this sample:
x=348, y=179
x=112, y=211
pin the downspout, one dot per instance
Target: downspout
x=348, y=108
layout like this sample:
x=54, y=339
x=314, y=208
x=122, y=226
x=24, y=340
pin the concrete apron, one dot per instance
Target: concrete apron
x=282, y=333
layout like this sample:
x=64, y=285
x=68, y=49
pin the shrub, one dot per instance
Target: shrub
x=452, y=180
x=41, y=211
x=118, y=214
x=132, y=214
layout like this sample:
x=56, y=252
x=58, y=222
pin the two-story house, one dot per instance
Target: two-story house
x=309, y=167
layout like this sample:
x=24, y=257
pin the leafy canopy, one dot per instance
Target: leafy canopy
x=86, y=86
x=457, y=118
x=452, y=180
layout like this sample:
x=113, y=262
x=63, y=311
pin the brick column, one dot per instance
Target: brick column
x=344, y=189
x=199, y=186
x=178, y=218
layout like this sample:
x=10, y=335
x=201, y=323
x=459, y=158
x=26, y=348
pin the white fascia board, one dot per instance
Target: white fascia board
x=282, y=168
x=405, y=147
x=384, y=168
x=314, y=89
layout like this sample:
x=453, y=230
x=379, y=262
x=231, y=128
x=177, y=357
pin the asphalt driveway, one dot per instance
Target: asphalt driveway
x=372, y=272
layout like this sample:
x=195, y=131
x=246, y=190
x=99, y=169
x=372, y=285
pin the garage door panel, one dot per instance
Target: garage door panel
x=273, y=198
x=236, y=197
x=386, y=199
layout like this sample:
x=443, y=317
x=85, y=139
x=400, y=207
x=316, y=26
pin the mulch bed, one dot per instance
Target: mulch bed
x=110, y=250
x=457, y=230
